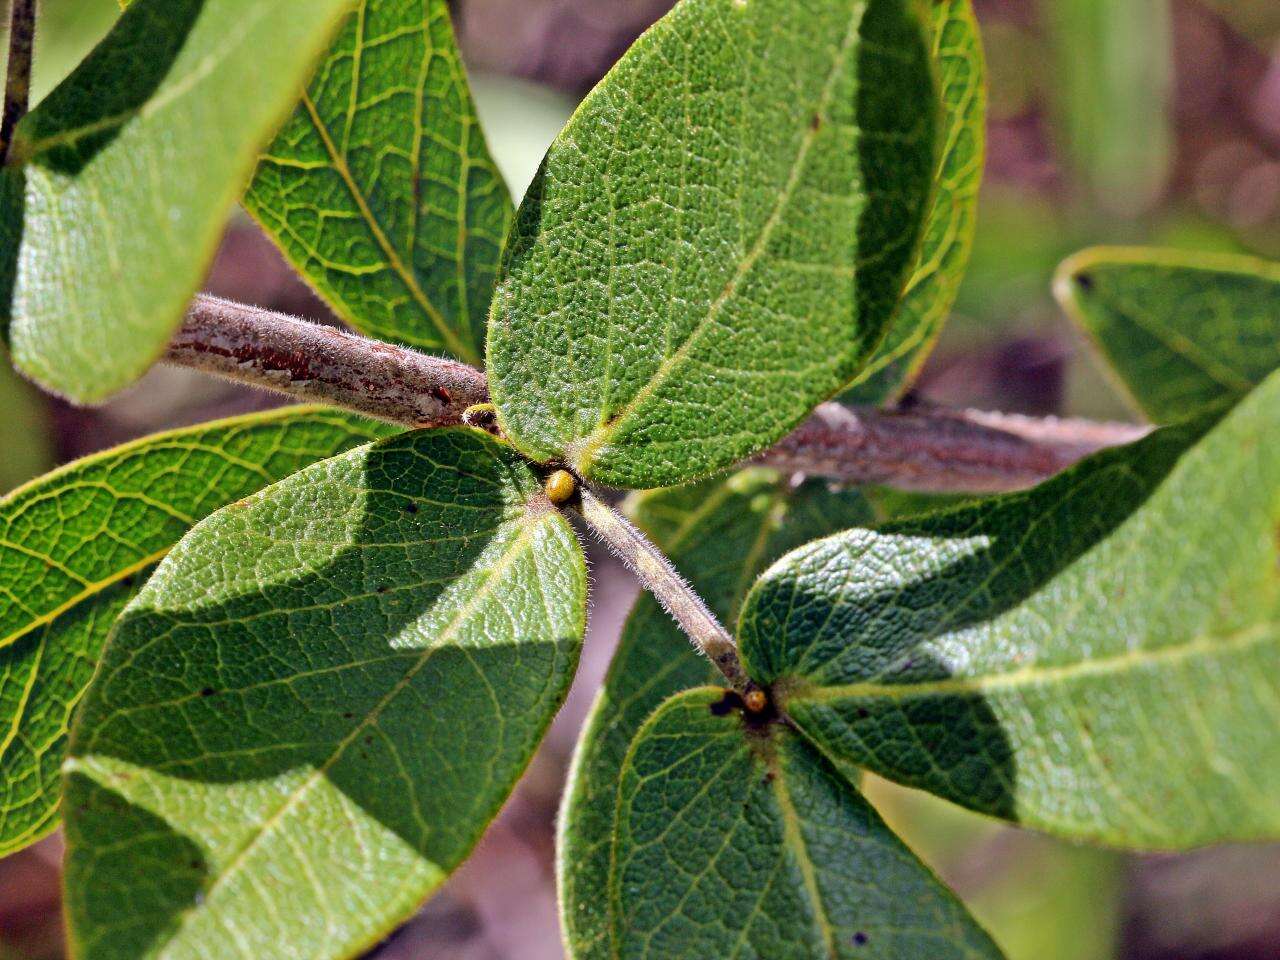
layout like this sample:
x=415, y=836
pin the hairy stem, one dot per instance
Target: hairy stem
x=940, y=451
x=313, y=362
x=660, y=578
x=17, y=87
x=924, y=449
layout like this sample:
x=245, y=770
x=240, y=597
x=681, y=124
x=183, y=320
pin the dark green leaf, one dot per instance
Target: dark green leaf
x=948, y=233
x=75, y=545
x=128, y=171
x=380, y=188
x=719, y=238
x=1179, y=330
x=316, y=705
x=1096, y=657
x=734, y=842
x=721, y=534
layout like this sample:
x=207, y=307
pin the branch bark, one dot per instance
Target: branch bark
x=17, y=87
x=927, y=450
x=308, y=361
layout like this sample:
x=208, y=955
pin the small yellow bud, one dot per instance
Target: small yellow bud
x=560, y=487
x=756, y=701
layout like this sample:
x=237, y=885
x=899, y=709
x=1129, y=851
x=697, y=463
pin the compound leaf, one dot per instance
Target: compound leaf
x=1179, y=330
x=740, y=842
x=126, y=173
x=1096, y=657
x=75, y=545
x=721, y=534
x=948, y=232
x=319, y=701
x=718, y=239
x=380, y=188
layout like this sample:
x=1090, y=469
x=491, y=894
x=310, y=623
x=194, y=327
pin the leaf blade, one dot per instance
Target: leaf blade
x=383, y=194
x=359, y=680
x=1179, y=330
x=732, y=843
x=949, y=230
x=75, y=546
x=748, y=262
x=1120, y=613
x=129, y=168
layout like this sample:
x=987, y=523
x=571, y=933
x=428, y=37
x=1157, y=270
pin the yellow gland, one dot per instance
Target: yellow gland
x=756, y=701
x=560, y=486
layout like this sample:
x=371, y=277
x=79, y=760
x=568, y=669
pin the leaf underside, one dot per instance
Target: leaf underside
x=380, y=188
x=718, y=239
x=1096, y=658
x=1178, y=330
x=322, y=697
x=722, y=534
x=75, y=546
x=949, y=229
x=740, y=843
x=126, y=173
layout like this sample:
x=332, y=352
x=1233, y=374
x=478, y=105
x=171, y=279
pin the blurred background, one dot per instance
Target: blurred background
x=1116, y=121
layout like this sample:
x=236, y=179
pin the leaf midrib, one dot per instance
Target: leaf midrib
x=450, y=339
x=1203, y=645
x=583, y=452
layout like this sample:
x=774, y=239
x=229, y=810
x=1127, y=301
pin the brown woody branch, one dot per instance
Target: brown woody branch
x=927, y=450
x=17, y=87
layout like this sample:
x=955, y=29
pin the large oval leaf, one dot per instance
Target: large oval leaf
x=736, y=842
x=380, y=188
x=128, y=170
x=721, y=535
x=1096, y=657
x=948, y=232
x=718, y=240
x=76, y=544
x=1180, y=330
x=313, y=709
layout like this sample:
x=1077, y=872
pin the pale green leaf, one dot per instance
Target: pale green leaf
x=737, y=842
x=314, y=708
x=380, y=188
x=75, y=545
x=1096, y=657
x=1179, y=330
x=126, y=173
x=718, y=239
x=721, y=535
x=949, y=229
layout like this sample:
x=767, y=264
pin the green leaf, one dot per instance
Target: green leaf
x=718, y=239
x=314, y=708
x=740, y=842
x=1179, y=330
x=128, y=169
x=949, y=229
x=380, y=188
x=75, y=544
x=721, y=534
x=1096, y=657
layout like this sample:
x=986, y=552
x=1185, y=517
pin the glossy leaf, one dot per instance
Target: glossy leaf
x=948, y=232
x=718, y=239
x=75, y=545
x=380, y=188
x=1179, y=330
x=317, y=704
x=735, y=842
x=1096, y=657
x=721, y=535
x=128, y=170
